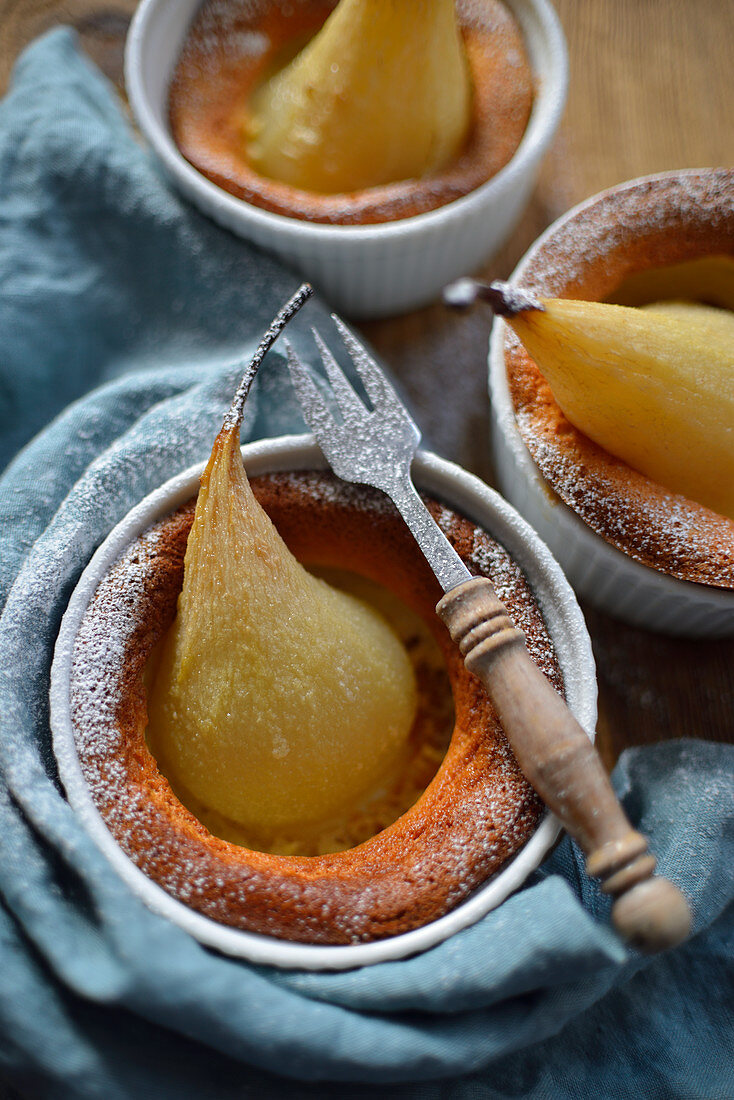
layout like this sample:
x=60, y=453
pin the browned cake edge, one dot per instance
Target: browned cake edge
x=212, y=80
x=649, y=224
x=476, y=813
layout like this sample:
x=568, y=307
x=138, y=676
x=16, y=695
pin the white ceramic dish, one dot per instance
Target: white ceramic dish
x=609, y=579
x=365, y=271
x=563, y=618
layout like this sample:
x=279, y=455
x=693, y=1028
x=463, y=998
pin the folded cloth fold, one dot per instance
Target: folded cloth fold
x=109, y=278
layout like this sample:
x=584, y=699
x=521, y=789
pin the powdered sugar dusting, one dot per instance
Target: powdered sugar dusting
x=99, y=653
x=605, y=229
x=474, y=815
x=648, y=223
x=234, y=44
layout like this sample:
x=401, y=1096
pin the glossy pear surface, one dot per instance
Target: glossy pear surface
x=278, y=700
x=654, y=386
x=382, y=93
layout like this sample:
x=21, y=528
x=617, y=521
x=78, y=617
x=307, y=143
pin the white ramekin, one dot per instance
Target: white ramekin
x=365, y=271
x=605, y=576
x=563, y=619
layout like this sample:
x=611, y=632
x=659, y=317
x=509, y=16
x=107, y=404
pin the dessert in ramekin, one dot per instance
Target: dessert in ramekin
x=229, y=49
x=369, y=269
x=631, y=547
x=471, y=837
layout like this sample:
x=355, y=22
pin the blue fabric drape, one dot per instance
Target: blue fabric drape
x=108, y=280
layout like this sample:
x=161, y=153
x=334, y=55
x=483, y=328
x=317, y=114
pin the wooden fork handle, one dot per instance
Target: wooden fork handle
x=558, y=758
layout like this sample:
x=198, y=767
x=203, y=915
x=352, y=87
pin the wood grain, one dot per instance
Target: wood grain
x=652, y=83
x=556, y=756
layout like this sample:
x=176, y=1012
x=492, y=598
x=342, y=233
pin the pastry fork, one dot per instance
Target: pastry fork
x=375, y=446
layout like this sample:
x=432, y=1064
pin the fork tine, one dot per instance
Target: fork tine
x=313, y=406
x=380, y=392
x=346, y=399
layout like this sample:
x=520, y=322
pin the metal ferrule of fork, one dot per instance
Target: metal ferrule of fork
x=479, y=627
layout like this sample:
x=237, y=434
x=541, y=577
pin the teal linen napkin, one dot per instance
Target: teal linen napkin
x=107, y=277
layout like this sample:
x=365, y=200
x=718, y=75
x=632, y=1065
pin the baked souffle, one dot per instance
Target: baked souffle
x=450, y=810
x=664, y=244
x=284, y=105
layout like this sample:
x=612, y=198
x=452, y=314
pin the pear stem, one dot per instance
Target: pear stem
x=505, y=299
x=233, y=419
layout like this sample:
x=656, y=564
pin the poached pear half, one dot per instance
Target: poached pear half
x=653, y=385
x=278, y=699
x=382, y=93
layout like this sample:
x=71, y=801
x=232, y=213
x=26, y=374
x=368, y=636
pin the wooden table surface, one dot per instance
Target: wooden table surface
x=652, y=83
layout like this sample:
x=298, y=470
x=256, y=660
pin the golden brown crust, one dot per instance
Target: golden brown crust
x=214, y=78
x=650, y=223
x=477, y=812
